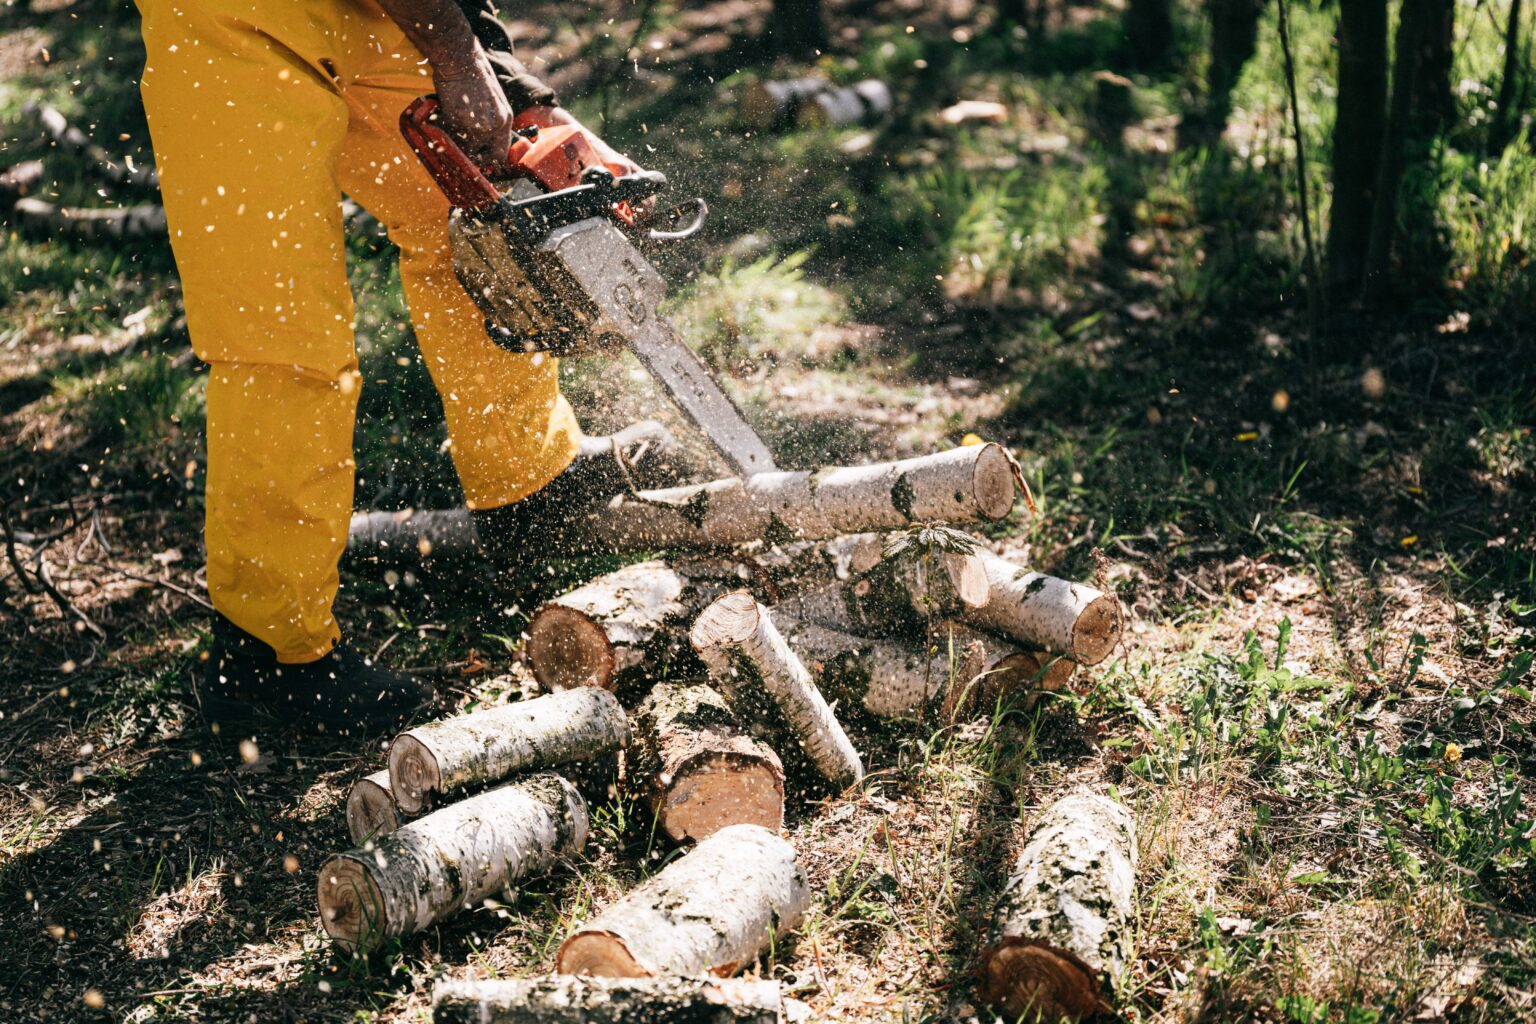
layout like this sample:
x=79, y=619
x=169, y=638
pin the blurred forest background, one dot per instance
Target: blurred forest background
x=1246, y=284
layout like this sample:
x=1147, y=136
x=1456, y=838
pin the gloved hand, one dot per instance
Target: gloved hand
x=475, y=109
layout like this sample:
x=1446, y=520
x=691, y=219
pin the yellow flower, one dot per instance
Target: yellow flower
x=971, y=441
x=1452, y=753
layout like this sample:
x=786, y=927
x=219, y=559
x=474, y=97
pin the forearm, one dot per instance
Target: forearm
x=441, y=32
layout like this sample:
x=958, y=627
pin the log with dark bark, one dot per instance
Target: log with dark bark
x=428, y=870
x=371, y=810
x=88, y=224
x=457, y=754
x=1062, y=931
x=766, y=684
x=621, y=622
x=713, y=910
x=1066, y=618
x=564, y=999
x=698, y=768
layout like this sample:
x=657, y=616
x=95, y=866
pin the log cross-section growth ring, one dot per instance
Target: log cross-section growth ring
x=765, y=681
x=371, y=810
x=714, y=910
x=454, y=858
x=485, y=746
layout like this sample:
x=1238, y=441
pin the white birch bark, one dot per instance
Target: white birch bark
x=91, y=224
x=902, y=594
x=766, y=684
x=714, y=910
x=566, y=999
x=698, y=769
x=371, y=810
x=456, y=754
x=1061, y=934
x=1065, y=618
x=452, y=859
x=411, y=536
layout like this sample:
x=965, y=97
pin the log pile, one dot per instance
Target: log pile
x=793, y=612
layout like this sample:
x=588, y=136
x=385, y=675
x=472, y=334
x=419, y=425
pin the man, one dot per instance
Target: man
x=263, y=112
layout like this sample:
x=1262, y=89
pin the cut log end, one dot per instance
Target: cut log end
x=992, y=483
x=1097, y=631
x=720, y=789
x=600, y=954
x=371, y=809
x=351, y=906
x=728, y=622
x=969, y=577
x=1036, y=982
x=414, y=773
x=567, y=649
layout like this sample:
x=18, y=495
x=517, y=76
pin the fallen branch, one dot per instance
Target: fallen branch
x=766, y=683
x=1043, y=611
x=428, y=870
x=714, y=910
x=371, y=809
x=1062, y=930
x=89, y=224
x=698, y=769
x=477, y=749
x=67, y=137
x=410, y=536
x=563, y=999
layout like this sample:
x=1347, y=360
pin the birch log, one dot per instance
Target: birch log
x=71, y=139
x=89, y=224
x=765, y=683
x=563, y=999
x=482, y=747
x=962, y=485
x=1061, y=933
x=699, y=769
x=712, y=911
x=902, y=595
x=865, y=102
x=617, y=623
x=1062, y=617
x=452, y=859
x=371, y=808
x=411, y=536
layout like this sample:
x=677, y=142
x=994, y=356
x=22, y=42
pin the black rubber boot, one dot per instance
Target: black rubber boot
x=548, y=521
x=342, y=693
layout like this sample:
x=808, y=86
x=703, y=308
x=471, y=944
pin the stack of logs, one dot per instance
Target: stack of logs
x=714, y=676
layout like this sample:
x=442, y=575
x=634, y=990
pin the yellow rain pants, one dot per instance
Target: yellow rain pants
x=263, y=112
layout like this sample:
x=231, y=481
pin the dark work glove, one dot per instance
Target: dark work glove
x=523, y=89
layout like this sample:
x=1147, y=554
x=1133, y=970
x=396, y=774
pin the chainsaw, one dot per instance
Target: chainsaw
x=552, y=262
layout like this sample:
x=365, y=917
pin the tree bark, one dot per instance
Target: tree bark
x=766, y=684
x=962, y=485
x=428, y=870
x=477, y=749
x=563, y=999
x=1357, y=141
x=1506, y=107
x=622, y=622
x=1062, y=930
x=371, y=811
x=1064, y=618
x=698, y=769
x=88, y=224
x=712, y=911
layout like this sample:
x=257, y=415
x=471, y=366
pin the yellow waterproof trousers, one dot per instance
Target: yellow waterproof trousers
x=263, y=112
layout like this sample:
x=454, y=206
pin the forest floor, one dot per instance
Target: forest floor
x=1321, y=715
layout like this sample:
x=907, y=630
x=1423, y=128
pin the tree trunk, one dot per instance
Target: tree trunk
x=797, y=28
x=371, y=811
x=477, y=749
x=767, y=685
x=1149, y=26
x=621, y=623
x=563, y=999
x=1433, y=104
x=1064, y=618
x=1234, y=36
x=1062, y=930
x=962, y=485
x=1506, y=109
x=88, y=224
x=711, y=911
x=904, y=594
x=699, y=769
x=428, y=870
x=1357, y=141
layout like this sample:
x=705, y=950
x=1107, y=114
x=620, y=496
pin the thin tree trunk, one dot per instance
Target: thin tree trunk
x=698, y=769
x=1149, y=26
x=1357, y=138
x=1064, y=618
x=1063, y=929
x=1234, y=37
x=477, y=749
x=713, y=910
x=1507, y=116
x=371, y=810
x=768, y=686
x=432, y=868
x=563, y=999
